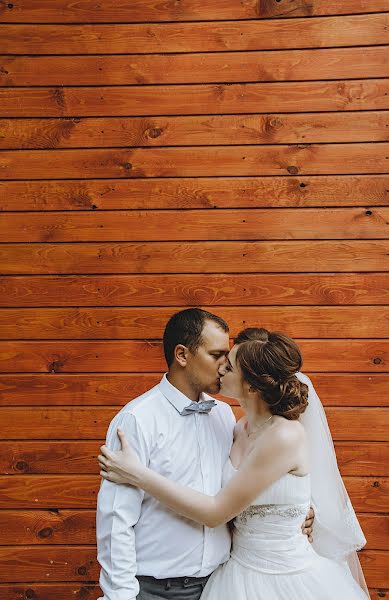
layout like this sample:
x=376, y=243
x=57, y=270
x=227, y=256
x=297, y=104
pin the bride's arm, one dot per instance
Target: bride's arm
x=273, y=456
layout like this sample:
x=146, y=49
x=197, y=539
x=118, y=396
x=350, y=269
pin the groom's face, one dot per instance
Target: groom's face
x=206, y=365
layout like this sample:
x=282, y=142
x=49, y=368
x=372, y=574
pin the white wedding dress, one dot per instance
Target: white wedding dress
x=271, y=559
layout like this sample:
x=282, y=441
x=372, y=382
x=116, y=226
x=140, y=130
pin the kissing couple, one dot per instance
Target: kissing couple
x=177, y=469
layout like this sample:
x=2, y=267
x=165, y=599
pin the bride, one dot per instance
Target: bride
x=282, y=462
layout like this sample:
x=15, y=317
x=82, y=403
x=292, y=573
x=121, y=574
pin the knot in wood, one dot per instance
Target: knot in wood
x=29, y=593
x=55, y=366
x=82, y=570
x=292, y=170
x=154, y=132
x=21, y=465
x=377, y=360
x=275, y=123
x=45, y=533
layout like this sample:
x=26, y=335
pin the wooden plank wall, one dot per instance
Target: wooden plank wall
x=232, y=155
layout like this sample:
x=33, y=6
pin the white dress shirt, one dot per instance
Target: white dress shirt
x=136, y=535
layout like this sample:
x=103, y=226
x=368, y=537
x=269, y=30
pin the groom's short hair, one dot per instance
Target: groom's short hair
x=185, y=327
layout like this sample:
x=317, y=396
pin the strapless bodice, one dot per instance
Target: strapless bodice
x=267, y=535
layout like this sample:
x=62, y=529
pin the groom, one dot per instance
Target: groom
x=147, y=552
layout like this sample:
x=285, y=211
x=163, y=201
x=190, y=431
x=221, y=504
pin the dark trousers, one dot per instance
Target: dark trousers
x=176, y=588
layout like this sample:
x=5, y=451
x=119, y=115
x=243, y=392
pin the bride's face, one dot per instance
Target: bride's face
x=232, y=380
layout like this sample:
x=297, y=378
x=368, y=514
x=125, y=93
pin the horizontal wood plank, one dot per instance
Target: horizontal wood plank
x=350, y=30
x=204, y=193
x=45, y=527
x=83, y=591
x=106, y=132
x=195, y=99
x=375, y=567
x=68, y=527
x=376, y=530
x=303, y=159
x=368, y=494
x=369, y=356
x=92, y=423
x=197, y=225
x=48, y=563
x=252, y=66
x=49, y=591
x=335, y=389
x=149, y=323
x=188, y=290
x=196, y=257
x=375, y=594
x=53, y=491
x=38, y=11
x=80, y=457
x=79, y=563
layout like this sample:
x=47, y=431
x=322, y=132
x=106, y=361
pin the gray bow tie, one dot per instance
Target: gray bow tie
x=200, y=407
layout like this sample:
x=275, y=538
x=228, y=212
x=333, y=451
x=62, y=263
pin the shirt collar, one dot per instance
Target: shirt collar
x=175, y=397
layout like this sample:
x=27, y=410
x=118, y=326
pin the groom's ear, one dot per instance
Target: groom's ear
x=181, y=354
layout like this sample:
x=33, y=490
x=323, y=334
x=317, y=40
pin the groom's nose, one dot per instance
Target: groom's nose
x=223, y=368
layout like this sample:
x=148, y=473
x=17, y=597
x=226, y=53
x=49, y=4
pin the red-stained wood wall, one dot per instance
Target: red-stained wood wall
x=231, y=155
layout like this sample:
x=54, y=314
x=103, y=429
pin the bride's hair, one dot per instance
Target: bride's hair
x=269, y=362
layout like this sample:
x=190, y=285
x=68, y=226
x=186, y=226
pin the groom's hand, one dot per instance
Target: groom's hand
x=307, y=525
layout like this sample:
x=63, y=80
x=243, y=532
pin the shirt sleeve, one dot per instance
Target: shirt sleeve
x=118, y=510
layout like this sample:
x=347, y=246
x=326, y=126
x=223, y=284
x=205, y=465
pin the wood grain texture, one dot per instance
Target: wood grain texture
x=48, y=563
x=374, y=566
x=198, y=161
x=149, y=323
x=332, y=289
x=48, y=591
x=45, y=527
x=202, y=193
x=350, y=30
x=30, y=11
x=116, y=389
x=92, y=423
x=341, y=95
x=287, y=65
x=68, y=527
x=49, y=491
x=196, y=257
x=80, y=457
x=368, y=494
x=83, y=591
x=369, y=356
x=194, y=131
x=198, y=225
x=376, y=530
x=78, y=562
x=270, y=217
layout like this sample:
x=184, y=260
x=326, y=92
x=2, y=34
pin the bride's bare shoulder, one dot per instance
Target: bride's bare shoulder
x=286, y=432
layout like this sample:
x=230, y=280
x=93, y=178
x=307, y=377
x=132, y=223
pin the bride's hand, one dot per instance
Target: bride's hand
x=122, y=466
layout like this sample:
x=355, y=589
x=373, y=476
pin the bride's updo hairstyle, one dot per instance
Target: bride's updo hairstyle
x=269, y=362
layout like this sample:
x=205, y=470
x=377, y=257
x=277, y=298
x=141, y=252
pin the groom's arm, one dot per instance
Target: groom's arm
x=118, y=510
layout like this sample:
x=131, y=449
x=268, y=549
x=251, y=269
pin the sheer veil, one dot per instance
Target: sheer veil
x=336, y=530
